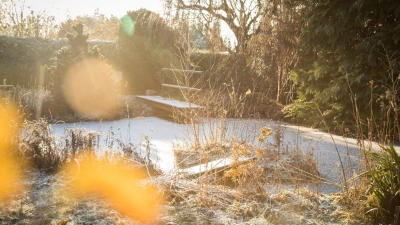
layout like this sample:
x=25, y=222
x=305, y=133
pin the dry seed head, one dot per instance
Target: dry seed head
x=265, y=131
x=260, y=139
x=259, y=152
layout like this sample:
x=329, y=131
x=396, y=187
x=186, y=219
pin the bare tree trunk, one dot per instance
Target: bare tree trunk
x=279, y=83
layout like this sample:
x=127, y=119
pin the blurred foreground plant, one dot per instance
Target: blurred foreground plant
x=10, y=168
x=118, y=183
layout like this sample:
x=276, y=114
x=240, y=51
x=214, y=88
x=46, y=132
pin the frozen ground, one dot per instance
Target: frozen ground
x=165, y=135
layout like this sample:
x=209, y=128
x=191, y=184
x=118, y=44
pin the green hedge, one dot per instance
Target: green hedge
x=21, y=58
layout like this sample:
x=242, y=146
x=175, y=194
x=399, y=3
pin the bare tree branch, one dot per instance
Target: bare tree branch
x=241, y=16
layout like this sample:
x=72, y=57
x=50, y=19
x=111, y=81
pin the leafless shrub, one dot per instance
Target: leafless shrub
x=38, y=146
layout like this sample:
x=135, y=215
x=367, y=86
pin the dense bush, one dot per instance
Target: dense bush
x=146, y=43
x=20, y=58
x=350, y=65
x=67, y=59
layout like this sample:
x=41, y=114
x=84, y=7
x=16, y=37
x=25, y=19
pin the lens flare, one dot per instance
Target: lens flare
x=89, y=89
x=128, y=25
x=10, y=170
x=118, y=184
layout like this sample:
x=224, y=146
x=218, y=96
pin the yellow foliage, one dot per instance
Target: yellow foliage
x=10, y=172
x=259, y=152
x=118, y=184
x=246, y=172
x=64, y=222
x=265, y=132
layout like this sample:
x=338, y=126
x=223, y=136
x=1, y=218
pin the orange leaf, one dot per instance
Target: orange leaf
x=64, y=222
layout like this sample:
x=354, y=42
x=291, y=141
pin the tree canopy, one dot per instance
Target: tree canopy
x=16, y=19
x=98, y=26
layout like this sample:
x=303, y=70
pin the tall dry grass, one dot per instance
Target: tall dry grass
x=229, y=128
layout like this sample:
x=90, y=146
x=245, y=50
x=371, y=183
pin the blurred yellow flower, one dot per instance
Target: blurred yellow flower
x=119, y=184
x=10, y=168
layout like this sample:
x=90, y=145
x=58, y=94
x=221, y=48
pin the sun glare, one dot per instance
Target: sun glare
x=64, y=9
x=127, y=25
x=89, y=89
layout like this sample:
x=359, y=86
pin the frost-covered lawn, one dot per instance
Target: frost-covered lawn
x=165, y=136
x=284, y=200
